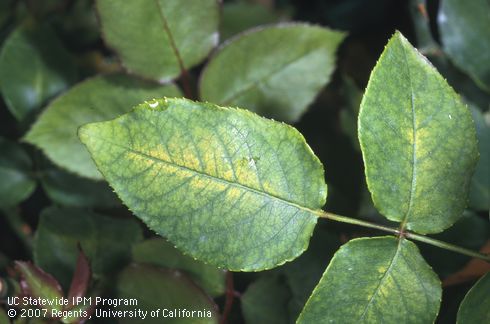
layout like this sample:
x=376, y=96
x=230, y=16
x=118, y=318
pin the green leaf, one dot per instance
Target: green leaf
x=158, y=38
x=224, y=185
x=261, y=70
x=38, y=284
x=479, y=197
x=3, y=316
x=70, y=190
x=418, y=141
x=375, y=280
x=465, y=35
x=265, y=301
x=34, y=67
x=16, y=182
x=97, y=99
x=105, y=240
x=475, y=307
x=166, y=290
x=159, y=252
x=240, y=16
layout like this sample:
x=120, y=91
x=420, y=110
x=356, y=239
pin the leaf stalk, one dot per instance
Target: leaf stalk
x=407, y=234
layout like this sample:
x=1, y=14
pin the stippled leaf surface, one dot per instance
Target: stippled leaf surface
x=157, y=38
x=475, y=307
x=224, y=185
x=161, y=253
x=418, y=141
x=167, y=290
x=34, y=67
x=264, y=72
x=17, y=181
x=375, y=280
x=105, y=240
x=97, y=99
x=465, y=34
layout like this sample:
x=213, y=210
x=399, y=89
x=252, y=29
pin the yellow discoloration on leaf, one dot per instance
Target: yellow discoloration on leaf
x=213, y=179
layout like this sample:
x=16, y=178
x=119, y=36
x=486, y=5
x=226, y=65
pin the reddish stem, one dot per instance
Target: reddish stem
x=230, y=296
x=186, y=84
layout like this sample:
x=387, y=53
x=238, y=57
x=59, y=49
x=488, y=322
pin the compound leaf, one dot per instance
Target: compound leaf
x=224, y=185
x=375, y=280
x=418, y=141
x=465, y=35
x=169, y=291
x=97, y=99
x=34, y=67
x=475, y=307
x=262, y=72
x=158, y=38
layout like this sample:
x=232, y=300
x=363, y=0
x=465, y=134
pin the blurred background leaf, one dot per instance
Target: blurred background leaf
x=105, y=240
x=34, y=67
x=16, y=174
x=171, y=290
x=159, y=252
x=266, y=301
x=465, y=35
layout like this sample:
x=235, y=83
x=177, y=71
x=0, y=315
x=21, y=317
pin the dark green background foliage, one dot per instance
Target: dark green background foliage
x=186, y=169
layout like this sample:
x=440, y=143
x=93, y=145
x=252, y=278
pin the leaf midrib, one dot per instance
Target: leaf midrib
x=382, y=280
x=166, y=28
x=413, y=183
x=225, y=181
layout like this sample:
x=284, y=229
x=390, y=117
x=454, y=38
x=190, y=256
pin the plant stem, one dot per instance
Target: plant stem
x=447, y=246
x=186, y=84
x=230, y=295
x=354, y=221
x=398, y=232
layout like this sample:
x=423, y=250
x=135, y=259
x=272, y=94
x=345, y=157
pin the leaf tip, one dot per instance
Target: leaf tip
x=83, y=133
